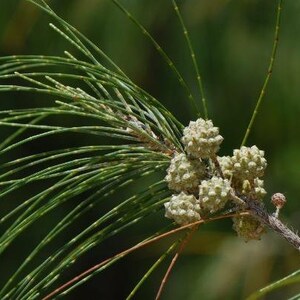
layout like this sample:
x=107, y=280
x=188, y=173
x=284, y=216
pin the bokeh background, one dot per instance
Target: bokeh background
x=232, y=41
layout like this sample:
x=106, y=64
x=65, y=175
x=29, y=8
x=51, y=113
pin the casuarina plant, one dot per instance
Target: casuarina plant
x=93, y=193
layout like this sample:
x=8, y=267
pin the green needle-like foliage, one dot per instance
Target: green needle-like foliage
x=135, y=137
x=118, y=109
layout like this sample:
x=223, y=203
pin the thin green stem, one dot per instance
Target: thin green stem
x=161, y=52
x=194, y=59
x=76, y=36
x=290, y=279
x=269, y=73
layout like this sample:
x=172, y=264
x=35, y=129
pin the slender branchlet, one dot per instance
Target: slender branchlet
x=274, y=223
x=160, y=50
x=153, y=268
x=194, y=59
x=269, y=73
x=183, y=244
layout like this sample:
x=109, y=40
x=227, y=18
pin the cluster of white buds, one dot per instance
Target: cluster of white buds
x=254, y=189
x=248, y=163
x=226, y=166
x=183, y=209
x=244, y=169
x=184, y=174
x=187, y=172
x=214, y=193
x=201, y=139
x=205, y=182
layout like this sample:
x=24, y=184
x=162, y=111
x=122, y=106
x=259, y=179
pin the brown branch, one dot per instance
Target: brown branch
x=274, y=223
x=182, y=246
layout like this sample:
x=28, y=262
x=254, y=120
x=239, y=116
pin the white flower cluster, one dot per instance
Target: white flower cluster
x=254, y=189
x=184, y=174
x=214, y=193
x=205, y=183
x=183, y=209
x=245, y=168
x=201, y=139
x=248, y=163
x=226, y=166
x=187, y=172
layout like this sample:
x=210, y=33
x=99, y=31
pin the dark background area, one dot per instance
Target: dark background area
x=232, y=41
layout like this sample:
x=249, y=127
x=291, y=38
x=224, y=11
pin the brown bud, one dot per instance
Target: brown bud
x=278, y=200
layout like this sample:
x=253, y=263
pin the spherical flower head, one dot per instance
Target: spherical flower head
x=254, y=189
x=184, y=174
x=278, y=200
x=248, y=163
x=248, y=228
x=226, y=166
x=201, y=139
x=183, y=209
x=214, y=193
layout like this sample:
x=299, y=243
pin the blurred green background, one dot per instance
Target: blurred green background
x=233, y=41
